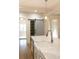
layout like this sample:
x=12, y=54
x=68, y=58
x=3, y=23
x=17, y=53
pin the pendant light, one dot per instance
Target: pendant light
x=46, y=9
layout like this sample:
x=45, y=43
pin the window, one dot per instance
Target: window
x=22, y=27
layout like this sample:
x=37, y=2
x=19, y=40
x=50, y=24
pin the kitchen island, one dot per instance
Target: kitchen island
x=44, y=49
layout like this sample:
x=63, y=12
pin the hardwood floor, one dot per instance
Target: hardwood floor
x=24, y=50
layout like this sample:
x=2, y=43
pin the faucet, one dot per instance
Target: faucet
x=50, y=34
x=47, y=33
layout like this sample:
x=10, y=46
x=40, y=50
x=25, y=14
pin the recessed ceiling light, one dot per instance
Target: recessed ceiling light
x=35, y=11
x=46, y=17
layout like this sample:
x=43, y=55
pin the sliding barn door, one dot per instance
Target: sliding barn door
x=39, y=27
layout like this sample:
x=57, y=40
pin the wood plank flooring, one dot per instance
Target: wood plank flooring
x=24, y=50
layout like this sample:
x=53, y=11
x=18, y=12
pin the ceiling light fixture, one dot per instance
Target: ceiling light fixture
x=35, y=11
x=46, y=17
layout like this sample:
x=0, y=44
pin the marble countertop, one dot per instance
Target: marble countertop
x=48, y=49
x=40, y=38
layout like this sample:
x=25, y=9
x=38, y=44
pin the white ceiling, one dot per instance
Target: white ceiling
x=31, y=5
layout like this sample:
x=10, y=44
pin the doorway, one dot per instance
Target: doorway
x=32, y=27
